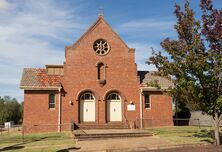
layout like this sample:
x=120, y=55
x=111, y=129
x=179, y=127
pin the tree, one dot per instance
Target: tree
x=10, y=110
x=194, y=59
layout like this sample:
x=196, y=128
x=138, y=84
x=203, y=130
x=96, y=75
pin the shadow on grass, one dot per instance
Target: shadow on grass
x=20, y=145
x=207, y=140
x=203, y=134
x=14, y=147
x=67, y=150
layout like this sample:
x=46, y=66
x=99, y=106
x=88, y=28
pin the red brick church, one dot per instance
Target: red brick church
x=98, y=86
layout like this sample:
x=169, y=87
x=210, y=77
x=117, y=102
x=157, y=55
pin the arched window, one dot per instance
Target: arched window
x=51, y=101
x=87, y=96
x=101, y=71
x=113, y=96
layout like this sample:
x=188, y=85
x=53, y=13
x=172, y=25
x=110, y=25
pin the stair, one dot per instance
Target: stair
x=101, y=126
x=109, y=134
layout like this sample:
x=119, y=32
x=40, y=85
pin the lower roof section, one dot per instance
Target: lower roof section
x=39, y=79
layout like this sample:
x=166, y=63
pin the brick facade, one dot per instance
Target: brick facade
x=81, y=75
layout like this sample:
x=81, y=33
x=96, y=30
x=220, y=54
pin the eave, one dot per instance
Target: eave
x=40, y=87
x=154, y=89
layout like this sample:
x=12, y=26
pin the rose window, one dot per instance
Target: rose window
x=101, y=47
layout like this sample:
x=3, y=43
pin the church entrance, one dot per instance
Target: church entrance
x=114, y=108
x=87, y=107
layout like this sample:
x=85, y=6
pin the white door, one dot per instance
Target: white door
x=87, y=108
x=88, y=113
x=115, y=110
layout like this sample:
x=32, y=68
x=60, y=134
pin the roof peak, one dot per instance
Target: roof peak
x=99, y=20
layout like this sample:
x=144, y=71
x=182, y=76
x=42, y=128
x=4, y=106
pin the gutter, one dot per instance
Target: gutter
x=59, y=112
x=141, y=109
x=39, y=88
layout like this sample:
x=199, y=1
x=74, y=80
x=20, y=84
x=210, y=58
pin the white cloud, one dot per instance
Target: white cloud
x=144, y=24
x=146, y=30
x=34, y=33
x=142, y=54
x=29, y=36
x=4, y=4
x=149, y=29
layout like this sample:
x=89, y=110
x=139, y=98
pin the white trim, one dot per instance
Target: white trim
x=115, y=100
x=83, y=95
x=153, y=89
x=141, y=109
x=38, y=88
x=82, y=99
x=59, y=111
x=116, y=95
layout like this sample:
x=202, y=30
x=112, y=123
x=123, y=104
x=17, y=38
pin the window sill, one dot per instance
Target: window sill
x=51, y=108
x=148, y=108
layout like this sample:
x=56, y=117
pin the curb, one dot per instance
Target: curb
x=147, y=148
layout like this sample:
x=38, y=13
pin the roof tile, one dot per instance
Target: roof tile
x=147, y=77
x=37, y=77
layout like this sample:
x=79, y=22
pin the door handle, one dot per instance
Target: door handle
x=114, y=110
x=86, y=110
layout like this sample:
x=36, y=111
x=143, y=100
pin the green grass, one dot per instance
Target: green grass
x=63, y=141
x=184, y=134
x=37, y=142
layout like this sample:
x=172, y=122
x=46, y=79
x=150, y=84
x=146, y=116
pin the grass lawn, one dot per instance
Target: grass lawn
x=63, y=141
x=184, y=134
x=37, y=142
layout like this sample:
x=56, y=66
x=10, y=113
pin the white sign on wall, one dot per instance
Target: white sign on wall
x=131, y=107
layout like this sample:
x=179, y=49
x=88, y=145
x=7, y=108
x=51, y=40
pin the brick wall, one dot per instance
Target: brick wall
x=80, y=75
x=160, y=112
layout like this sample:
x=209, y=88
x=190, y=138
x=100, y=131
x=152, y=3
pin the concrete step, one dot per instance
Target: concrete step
x=102, y=126
x=84, y=135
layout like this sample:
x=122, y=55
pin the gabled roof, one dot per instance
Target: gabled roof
x=146, y=78
x=93, y=26
x=37, y=78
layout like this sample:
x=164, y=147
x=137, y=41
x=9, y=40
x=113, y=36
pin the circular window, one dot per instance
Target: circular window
x=101, y=47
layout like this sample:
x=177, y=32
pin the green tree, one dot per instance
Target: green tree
x=10, y=110
x=21, y=109
x=194, y=59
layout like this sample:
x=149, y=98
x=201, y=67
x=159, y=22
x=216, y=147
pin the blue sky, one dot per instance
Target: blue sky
x=34, y=32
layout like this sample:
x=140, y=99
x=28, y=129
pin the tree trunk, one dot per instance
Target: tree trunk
x=216, y=129
x=217, y=135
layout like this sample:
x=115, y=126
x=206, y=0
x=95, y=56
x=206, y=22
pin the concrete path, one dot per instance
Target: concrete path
x=203, y=148
x=123, y=144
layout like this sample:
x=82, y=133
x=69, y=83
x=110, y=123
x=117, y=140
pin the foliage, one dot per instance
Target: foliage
x=154, y=83
x=10, y=110
x=194, y=60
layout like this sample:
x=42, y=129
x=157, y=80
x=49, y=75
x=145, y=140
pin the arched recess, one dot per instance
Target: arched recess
x=114, y=105
x=123, y=97
x=101, y=73
x=86, y=106
x=86, y=90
